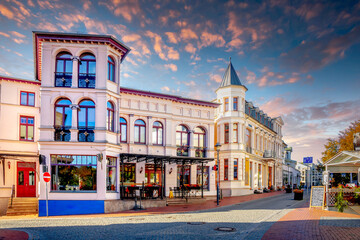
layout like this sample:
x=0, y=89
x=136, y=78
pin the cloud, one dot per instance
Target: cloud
x=4, y=34
x=189, y=84
x=17, y=34
x=165, y=89
x=171, y=37
x=171, y=66
x=190, y=48
x=216, y=78
x=208, y=39
x=188, y=34
x=4, y=72
x=316, y=54
x=165, y=52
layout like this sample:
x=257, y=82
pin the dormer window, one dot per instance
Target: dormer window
x=111, y=69
x=87, y=71
x=64, y=68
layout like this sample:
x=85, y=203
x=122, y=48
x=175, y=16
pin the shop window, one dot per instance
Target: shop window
x=183, y=175
x=111, y=173
x=26, y=128
x=27, y=99
x=236, y=169
x=204, y=178
x=226, y=169
x=123, y=130
x=157, y=133
x=152, y=175
x=139, y=132
x=128, y=175
x=73, y=173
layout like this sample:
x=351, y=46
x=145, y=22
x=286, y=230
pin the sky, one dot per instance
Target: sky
x=299, y=59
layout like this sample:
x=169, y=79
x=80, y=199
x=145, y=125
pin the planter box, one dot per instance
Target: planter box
x=288, y=190
x=298, y=196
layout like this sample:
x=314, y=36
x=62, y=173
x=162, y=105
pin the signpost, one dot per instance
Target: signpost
x=308, y=160
x=47, y=178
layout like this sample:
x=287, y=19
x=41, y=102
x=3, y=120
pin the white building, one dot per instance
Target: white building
x=251, y=151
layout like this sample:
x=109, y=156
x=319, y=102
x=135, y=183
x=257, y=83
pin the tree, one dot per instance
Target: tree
x=343, y=143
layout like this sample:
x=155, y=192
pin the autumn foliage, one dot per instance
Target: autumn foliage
x=342, y=143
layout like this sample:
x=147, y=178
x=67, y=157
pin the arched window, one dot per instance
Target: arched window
x=199, y=142
x=64, y=68
x=110, y=117
x=86, y=121
x=157, y=133
x=140, y=132
x=87, y=70
x=62, y=121
x=111, y=69
x=182, y=140
x=123, y=130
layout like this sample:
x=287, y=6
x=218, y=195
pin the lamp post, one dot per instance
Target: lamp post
x=217, y=148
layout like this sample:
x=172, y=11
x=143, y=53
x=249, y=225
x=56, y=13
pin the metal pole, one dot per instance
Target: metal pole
x=218, y=177
x=162, y=178
x=47, y=204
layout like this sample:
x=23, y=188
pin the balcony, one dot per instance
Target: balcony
x=248, y=149
x=269, y=154
x=86, y=80
x=63, y=79
x=86, y=135
x=182, y=151
x=62, y=134
x=200, y=152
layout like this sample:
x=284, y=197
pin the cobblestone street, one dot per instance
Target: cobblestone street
x=250, y=219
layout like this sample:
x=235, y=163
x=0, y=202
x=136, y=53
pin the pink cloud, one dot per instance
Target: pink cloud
x=171, y=66
x=216, y=78
x=171, y=37
x=165, y=52
x=6, y=12
x=165, y=88
x=188, y=34
x=190, y=48
x=208, y=39
x=4, y=34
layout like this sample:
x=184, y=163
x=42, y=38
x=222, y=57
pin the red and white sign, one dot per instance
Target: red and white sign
x=46, y=177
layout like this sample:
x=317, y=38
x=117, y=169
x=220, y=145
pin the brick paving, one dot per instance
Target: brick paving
x=305, y=223
x=13, y=234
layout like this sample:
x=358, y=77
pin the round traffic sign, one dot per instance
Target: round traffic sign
x=46, y=177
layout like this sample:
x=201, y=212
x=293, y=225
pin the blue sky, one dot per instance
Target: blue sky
x=299, y=59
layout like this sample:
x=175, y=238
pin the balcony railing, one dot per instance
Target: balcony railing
x=248, y=149
x=86, y=80
x=63, y=79
x=86, y=135
x=269, y=154
x=200, y=152
x=62, y=134
x=182, y=151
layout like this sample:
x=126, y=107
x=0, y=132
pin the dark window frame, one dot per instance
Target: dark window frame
x=121, y=133
x=108, y=159
x=110, y=114
x=226, y=133
x=236, y=168
x=111, y=69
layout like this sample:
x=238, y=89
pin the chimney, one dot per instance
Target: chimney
x=356, y=141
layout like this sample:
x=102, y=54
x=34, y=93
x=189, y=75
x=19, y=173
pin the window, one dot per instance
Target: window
x=226, y=104
x=86, y=121
x=235, y=133
x=236, y=169
x=182, y=140
x=259, y=176
x=110, y=117
x=248, y=140
x=111, y=69
x=140, y=131
x=183, y=175
x=157, y=133
x=129, y=173
x=64, y=68
x=123, y=130
x=199, y=142
x=226, y=169
x=73, y=173
x=26, y=128
x=27, y=99
x=235, y=103
x=204, y=178
x=111, y=173
x=87, y=70
x=63, y=115
x=226, y=133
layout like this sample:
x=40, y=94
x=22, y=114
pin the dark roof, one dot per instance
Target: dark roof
x=230, y=77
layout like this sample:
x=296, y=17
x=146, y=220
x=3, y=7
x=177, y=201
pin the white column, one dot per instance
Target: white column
x=131, y=128
x=75, y=74
x=74, y=120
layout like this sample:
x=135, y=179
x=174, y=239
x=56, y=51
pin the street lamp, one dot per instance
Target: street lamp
x=217, y=148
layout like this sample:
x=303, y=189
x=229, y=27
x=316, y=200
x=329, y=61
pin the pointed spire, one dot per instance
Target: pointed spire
x=230, y=77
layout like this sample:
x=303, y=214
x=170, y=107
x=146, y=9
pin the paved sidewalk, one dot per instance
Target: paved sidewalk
x=305, y=223
x=6, y=234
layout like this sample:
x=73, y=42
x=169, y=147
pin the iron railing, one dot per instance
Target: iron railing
x=62, y=134
x=86, y=80
x=86, y=135
x=63, y=79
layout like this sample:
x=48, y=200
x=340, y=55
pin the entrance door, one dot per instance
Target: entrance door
x=26, y=178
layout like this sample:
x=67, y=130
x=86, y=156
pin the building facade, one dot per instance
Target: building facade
x=251, y=153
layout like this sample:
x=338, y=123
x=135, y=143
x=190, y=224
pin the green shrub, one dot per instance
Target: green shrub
x=340, y=202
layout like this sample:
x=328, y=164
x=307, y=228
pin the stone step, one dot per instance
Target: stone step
x=22, y=206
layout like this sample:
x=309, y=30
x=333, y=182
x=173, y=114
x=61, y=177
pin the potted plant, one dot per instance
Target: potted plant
x=288, y=189
x=298, y=194
x=340, y=202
